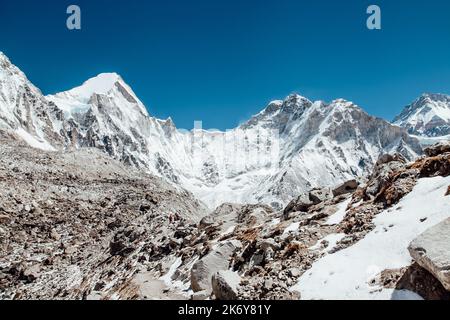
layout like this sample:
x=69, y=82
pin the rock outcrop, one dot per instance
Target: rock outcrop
x=215, y=261
x=345, y=188
x=225, y=285
x=431, y=250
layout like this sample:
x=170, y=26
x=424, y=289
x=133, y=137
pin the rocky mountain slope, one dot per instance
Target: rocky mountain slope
x=347, y=243
x=288, y=148
x=74, y=221
x=427, y=116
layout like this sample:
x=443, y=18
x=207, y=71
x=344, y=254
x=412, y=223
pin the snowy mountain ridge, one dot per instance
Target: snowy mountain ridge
x=427, y=116
x=286, y=149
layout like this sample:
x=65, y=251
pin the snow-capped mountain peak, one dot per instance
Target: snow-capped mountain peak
x=287, y=148
x=108, y=85
x=101, y=84
x=428, y=115
x=279, y=112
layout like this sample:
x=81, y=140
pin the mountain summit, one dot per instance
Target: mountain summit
x=429, y=115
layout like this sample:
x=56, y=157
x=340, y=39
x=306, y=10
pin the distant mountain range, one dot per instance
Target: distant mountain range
x=428, y=116
x=290, y=147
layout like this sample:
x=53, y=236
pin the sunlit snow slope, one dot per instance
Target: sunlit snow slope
x=347, y=274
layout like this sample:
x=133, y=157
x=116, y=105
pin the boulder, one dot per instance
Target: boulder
x=306, y=200
x=302, y=203
x=215, y=261
x=294, y=272
x=225, y=285
x=431, y=250
x=436, y=166
x=346, y=187
x=387, y=158
x=32, y=273
x=4, y=218
x=269, y=243
x=320, y=195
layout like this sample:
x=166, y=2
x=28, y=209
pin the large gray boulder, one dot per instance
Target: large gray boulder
x=431, y=250
x=217, y=260
x=225, y=285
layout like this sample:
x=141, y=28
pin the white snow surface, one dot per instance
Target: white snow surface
x=346, y=274
x=340, y=213
x=293, y=227
x=167, y=278
x=33, y=141
x=332, y=240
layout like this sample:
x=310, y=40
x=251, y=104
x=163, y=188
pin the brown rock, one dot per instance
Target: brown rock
x=346, y=187
x=4, y=218
x=55, y=235
x=437, y=149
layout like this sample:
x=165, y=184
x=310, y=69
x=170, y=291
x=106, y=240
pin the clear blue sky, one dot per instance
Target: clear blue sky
x=221, y=61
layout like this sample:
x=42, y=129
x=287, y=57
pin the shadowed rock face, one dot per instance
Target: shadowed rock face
x=431, y=250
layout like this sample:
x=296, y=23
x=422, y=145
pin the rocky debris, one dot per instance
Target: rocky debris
x=217, y=260
x=391, y=180
x=419, y=280
x=437, y=163
x=435, y=166
x=431, y=250
x=230, y=215
x=345, y=188
x=294, y=272
x=387, y=158
x=225, y=285
x=145, y=286
x=437, y=149
x=125, y=240
x=78, y=225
